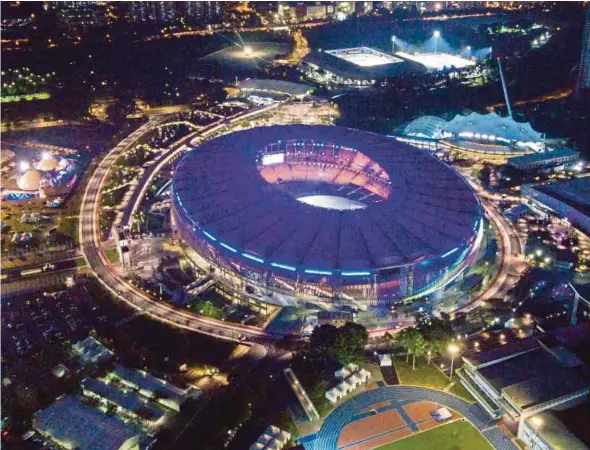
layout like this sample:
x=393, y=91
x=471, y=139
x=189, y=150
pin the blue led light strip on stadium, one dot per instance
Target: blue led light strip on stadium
x=231, y=249
x=209, y=236
x=318, y=272
x=355, y=274
x=253, y=258
x=282, y=266
x=450, y=252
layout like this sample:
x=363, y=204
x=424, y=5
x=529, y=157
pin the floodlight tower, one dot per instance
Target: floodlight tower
x=504, y=88
x=392, y=45
x=436, y=36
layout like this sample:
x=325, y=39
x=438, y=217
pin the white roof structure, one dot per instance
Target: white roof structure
x=426, y=127
x=342, y=373
x=169, y=394
x=74, y=425
x=385, y=360
x=493, y=128
x=30, y=180
x=443, y=414
x=47, y=164
x=352, y=367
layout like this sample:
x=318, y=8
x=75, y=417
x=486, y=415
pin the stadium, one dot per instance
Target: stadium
x=324, y=214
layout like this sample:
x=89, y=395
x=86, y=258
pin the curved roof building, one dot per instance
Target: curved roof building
x=326, y=206
x=47, y=164
x=30, y=180
x=426, y=126
x=494, y=128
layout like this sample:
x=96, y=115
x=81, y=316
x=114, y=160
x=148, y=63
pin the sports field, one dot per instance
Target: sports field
x=459, y=435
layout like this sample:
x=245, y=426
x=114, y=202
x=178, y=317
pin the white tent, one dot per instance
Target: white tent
x=385, y=360
x=352, y=368
x=345, y=387
x=442, y=414
x=364, y=375
x=342, y=373
x=354, y=380
x=333, y=395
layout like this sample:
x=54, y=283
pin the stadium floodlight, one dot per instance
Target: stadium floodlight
x=248, y=50
x=436, y=36
x=24, y=166
x=393, y=44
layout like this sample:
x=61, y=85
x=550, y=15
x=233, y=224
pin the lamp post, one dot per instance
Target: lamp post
x=392, y=45
x=436, y=36
x=468, y=48
x=453, y=350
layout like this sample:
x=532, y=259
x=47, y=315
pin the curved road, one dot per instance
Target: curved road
x=398, y=396
x=89, y=235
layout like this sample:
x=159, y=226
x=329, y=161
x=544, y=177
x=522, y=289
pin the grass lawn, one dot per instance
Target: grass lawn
x=459, y=435
x=206, y=308
x=112, y=255
x=428, y=376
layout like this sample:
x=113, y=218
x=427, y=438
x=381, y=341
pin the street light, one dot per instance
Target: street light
x=436, y=36
x=453, y=350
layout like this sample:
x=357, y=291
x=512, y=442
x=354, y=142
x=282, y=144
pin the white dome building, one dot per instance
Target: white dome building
x=30, y=180
x=47, y=164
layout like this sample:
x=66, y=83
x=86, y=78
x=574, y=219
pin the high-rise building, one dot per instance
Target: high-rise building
x=156, y=12
x=80, y=14
x=583, y=82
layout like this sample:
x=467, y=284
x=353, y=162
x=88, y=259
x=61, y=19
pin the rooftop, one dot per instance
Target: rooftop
x=575, y=193
x=146, y=381
x=565, y=429
x=75, y=425
x=542, y=156
x=91, y=351
x=126, y=399
x=281, y=86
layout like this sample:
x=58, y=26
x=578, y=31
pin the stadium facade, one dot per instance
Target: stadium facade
x=324, y=214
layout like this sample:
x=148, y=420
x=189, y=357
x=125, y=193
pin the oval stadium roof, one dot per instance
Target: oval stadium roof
x=431, y=209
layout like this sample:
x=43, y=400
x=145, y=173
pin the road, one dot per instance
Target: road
x=105, y=272
x=510, y=258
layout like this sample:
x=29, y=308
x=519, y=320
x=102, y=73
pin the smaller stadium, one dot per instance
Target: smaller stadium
x=358, y=66
x=488, y=137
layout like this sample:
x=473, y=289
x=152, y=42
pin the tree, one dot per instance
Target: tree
x=412, y=340
x=343, y=344
x=438, y=334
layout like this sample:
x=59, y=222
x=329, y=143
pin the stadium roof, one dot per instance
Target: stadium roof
x=430, y=211
x=280, y=86
x=347, y=69
x=426, y=126
x=75, y=425
x=493, y=125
